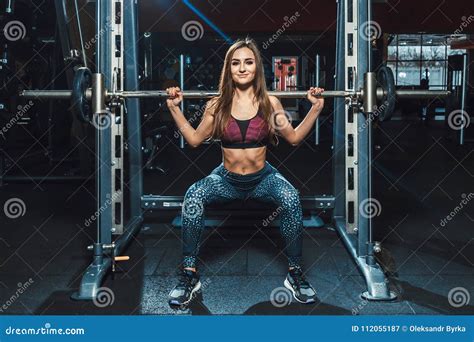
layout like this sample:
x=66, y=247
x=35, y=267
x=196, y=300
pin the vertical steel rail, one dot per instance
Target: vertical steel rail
x=117, y=139
x=351, y=39
x=133, y=117
x=465, y=75
x=181, y=84
x=338, y=165
x=316, y=84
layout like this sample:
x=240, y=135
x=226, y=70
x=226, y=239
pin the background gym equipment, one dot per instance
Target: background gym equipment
x=58, y=158
x=458, y=78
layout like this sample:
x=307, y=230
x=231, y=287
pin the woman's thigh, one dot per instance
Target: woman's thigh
x=210, y=189
x=277, y=189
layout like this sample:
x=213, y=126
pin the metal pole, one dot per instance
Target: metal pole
x=97, y=42
x=96, y=271
x=79, y=28
x=181, y=84
x=362, y=154
x=51, y=106
x=417, y=94
x=196, y=94
x=63, y=30
x=2, y=167
x=370, y=102
x=9, y=8
x=338, y=152
x=43, y=179
x=47, y=94
x=369, y=39
x=463, y=98
x=369, y=95
x=316, y=83
x=133, y=119
x=148, y=68
x=98, y=100
x=190, y=94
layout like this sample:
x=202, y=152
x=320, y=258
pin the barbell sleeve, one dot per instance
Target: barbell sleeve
x=421, y=94
x=98, y=93
x=47, y=94
x=369, y=94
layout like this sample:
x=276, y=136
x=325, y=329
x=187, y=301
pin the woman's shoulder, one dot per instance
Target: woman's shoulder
x=211, y=105
x=212, y=101
x=273, y=100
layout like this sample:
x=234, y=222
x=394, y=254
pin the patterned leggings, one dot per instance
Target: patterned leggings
x=222, y=185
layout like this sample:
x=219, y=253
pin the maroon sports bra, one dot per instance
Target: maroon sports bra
x=248, y=133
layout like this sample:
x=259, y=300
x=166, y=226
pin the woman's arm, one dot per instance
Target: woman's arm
x=194, y=137
x=296, y=135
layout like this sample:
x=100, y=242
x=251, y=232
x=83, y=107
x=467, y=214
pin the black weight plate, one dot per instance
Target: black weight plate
x=80, y=106
x=386, y=80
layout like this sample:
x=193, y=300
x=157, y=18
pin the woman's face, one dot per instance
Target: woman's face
x=243, y=66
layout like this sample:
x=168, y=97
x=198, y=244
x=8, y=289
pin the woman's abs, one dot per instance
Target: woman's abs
x=244, y=161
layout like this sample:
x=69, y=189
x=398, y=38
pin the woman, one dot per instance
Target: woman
x=245, y=118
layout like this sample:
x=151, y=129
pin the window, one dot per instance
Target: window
x=413, y=57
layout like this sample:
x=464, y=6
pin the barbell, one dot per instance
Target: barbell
x=84, y=86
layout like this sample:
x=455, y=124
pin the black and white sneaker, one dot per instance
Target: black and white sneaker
x=302, y=290
x=183, y=292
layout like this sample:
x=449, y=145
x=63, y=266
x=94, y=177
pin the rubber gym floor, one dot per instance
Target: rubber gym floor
x=420, y=176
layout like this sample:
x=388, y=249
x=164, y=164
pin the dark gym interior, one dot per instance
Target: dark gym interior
x=422, y=161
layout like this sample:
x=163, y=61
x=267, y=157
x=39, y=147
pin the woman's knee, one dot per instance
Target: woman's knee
x=193, y=191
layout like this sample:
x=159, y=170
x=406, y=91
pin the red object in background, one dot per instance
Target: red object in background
x=285, y=70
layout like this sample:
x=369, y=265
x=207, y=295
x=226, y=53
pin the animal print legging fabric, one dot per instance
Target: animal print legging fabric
x=222, y=185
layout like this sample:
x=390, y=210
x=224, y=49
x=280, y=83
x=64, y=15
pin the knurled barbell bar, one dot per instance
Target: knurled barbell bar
x=86, y=84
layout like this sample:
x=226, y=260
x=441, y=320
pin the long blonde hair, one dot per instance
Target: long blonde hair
x=223, y=102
